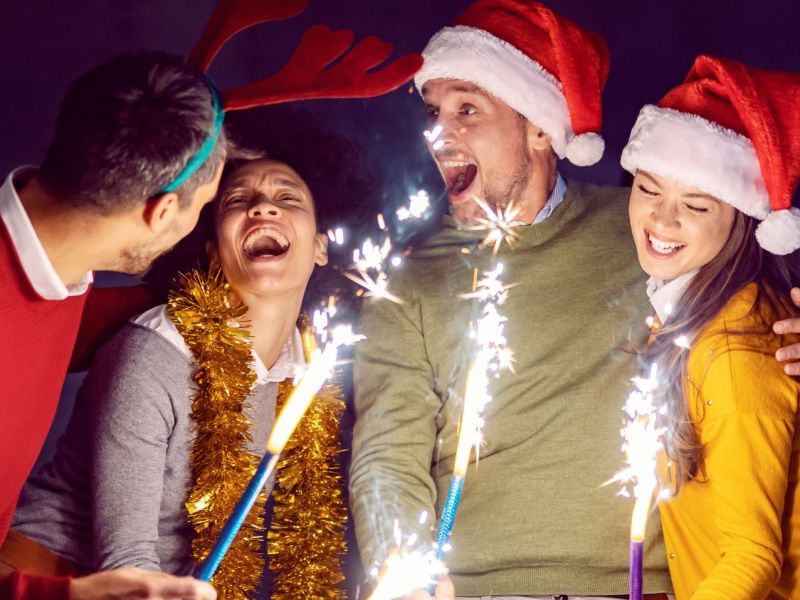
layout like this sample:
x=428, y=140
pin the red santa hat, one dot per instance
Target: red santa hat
x=539, y=63
x=733, y=132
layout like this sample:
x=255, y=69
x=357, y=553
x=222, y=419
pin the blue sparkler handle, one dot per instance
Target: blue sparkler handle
x=446, y=522
x=448, y=514
x=635, y=581
x=206, y=570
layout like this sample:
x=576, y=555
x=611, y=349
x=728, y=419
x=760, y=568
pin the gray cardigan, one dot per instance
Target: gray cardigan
x=114, y=494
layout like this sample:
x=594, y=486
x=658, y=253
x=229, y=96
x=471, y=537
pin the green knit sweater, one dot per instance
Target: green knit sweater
x=534, y=518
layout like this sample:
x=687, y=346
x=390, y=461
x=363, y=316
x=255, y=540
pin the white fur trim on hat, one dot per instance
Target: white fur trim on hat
x=474, y=55
x=585, y=149
x=779, y=233
x=691, y=150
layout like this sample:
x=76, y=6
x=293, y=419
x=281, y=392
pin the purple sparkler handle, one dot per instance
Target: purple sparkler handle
x=635, y=581
x=206, y=570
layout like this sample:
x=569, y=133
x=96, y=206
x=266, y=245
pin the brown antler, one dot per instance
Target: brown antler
x=232, y=16
x=305, y=77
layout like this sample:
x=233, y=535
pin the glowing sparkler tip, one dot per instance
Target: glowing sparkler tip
x=682, y=342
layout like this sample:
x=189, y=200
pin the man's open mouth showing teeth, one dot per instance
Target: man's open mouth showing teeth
x=458, y=175
x=265, y=242
x=663, y=247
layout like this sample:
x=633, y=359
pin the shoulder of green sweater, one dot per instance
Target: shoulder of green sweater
x=605, y=201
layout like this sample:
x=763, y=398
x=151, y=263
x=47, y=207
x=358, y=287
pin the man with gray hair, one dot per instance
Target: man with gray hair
x=138, y=151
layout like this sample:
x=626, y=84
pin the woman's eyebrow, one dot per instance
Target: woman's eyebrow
x=702, y=196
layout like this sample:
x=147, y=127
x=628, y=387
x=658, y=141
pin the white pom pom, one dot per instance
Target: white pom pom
x=779, y=233
x=585, y=149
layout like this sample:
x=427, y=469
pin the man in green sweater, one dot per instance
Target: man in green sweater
x=509, y=90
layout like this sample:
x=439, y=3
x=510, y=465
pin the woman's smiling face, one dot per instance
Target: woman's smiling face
x=266, y=229
x=677, y=228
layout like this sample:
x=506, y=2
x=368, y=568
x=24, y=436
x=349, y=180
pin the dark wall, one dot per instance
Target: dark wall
x=46, y=43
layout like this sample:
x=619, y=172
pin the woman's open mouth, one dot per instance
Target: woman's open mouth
x=458, y=175
x=662, y=248
x=265, y=243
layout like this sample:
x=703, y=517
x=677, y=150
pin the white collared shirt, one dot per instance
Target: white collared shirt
x=290, y=364
x=35, y=262
x=555, y=198
x=665, y=295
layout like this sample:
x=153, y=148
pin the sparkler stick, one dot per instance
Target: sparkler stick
x=642, y=444
x=492, y=357
x=319, y=369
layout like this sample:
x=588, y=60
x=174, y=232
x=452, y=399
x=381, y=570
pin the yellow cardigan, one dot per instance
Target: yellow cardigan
x=734, y=532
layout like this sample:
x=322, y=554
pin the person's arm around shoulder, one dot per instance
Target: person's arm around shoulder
x=747, y=431
x=792, y=351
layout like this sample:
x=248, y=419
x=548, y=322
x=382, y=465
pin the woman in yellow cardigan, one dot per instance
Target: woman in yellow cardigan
x=715, y=166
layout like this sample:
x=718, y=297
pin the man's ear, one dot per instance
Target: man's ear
x=536, y=138
x=160, y=211
x=321, y=250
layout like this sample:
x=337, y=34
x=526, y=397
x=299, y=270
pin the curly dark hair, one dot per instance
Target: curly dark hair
x=344, y=186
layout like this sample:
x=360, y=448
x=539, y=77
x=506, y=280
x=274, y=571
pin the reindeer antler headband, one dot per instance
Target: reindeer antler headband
x=304, y=77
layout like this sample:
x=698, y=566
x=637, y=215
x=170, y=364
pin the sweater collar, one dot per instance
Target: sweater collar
x=290, y=364
x=570, y=204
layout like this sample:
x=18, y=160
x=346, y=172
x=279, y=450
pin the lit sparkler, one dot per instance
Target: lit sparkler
x=433, y=137
x=319, y=369
x=499, y=224
x=368, y=263
x=407, y=568
x=417, y=205
x=492, y=357
x=642, y=443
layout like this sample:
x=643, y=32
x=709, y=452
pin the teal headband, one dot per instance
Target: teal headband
x=203, y=153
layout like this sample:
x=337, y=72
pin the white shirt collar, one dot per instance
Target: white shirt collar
x=34, y=260
x=290, y=364
x=665, y=295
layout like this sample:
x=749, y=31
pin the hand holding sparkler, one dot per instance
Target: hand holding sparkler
x=407, y=570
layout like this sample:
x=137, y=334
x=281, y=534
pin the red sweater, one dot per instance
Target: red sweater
x=36, y=342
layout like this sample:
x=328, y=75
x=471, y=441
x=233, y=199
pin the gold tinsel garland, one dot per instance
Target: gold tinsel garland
x=307, y=534
x=221, y=464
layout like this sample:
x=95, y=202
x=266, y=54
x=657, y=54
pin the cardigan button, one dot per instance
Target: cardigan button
x=708, y=402
x=672, y=555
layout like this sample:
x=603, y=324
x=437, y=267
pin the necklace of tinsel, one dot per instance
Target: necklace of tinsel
x=307, y=536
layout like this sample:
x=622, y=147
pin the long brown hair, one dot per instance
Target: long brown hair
x=740, y=262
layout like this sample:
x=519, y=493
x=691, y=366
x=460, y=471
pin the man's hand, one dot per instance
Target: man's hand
x=790, y=326
x=444, y=591
x=131, y=583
